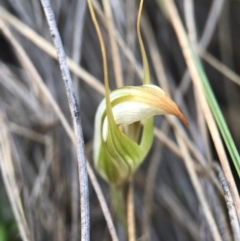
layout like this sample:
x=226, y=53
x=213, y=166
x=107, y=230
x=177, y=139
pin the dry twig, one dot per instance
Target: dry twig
x=73, y=104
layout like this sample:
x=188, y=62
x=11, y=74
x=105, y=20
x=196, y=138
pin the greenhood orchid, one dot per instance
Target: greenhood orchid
x=116, y=155
x=120, y=145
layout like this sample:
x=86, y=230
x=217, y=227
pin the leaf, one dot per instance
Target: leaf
x=218, y=115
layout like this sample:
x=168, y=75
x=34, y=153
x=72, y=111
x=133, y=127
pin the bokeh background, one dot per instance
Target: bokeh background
x=38, y=157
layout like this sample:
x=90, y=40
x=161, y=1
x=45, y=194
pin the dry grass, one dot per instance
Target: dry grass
x=178, y=192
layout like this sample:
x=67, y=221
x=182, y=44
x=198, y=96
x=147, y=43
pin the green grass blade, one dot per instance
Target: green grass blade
x=226, y=135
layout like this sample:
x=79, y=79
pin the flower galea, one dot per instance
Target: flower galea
x=119, y=145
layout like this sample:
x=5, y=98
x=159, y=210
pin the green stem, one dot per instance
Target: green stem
x=146, y=78
x=119, y=203
x=105, y=67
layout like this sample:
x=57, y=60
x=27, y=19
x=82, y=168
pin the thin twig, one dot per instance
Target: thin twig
x=78, y=38
x=230, y=204
x=76, y=56
x=192, y=33
x=219, y=212
x=43, y=170
x=155, y=54
x=23, y=131
x=103, y=204
x=130, y=37
x=211, y=23
x=10, y=181
x=74, y=201
x=190, y=21
x=222, y=68
x=150, y=184
x=73, y=104
x=114, y=49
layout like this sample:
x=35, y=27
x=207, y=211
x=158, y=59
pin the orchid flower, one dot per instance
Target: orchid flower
x=116, y=155
x=119, y=144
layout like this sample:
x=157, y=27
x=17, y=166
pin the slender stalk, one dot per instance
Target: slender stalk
x=192, y=34
x=230, y=204
x=105, y=66
x=117, y=194
x=77, y=40
x=211, y=23
x=146, y=72
x=114, y=48
x=118, y=200
x=73, y=104
x=206, y=37
x=76, y=56
x=155, y=54
x=10, y=180
x=130, y=213
x=130, y=37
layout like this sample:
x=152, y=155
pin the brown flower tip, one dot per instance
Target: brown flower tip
x=183, y=119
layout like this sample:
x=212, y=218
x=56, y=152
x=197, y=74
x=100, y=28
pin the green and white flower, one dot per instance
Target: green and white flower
x=119, y=143
x=118, y=147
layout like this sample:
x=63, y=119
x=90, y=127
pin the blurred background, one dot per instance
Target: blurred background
x=38, y=158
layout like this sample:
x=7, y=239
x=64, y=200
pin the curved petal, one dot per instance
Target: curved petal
x=136, y=103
